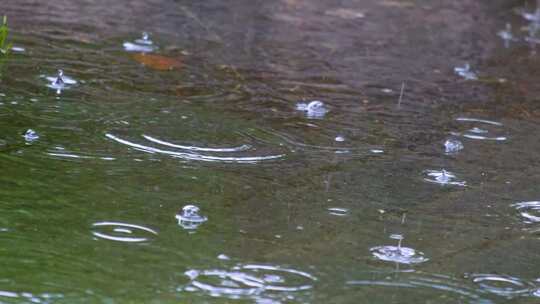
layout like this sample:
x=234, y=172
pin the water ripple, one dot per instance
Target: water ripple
x=529, y=211
x=195, y=156
x=248, y=281
x=123, y=232
x=420, y=282
x=502, y=285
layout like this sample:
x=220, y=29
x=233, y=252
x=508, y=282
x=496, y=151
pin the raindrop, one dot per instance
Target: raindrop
x=30, y=136
x=506, y=35
x=60, y=82
x=143, y=44
x=452, y=146
x=466, y=72
x=398, y=254
x=18, y=49
x=189, y=217
x=442, y=177
x=313, y=109
x=122, y=232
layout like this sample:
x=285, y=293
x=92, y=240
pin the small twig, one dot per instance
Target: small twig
x=401, y=94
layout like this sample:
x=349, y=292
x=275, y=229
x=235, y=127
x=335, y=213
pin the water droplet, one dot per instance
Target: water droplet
x=442, y=177
x=30, y=136
x=143, y=44
x=466, y=72
x=452, y=146
x=189, y=217
x=313, y=109
x=398, y=254
x=122, y=232
x=506, y=35
x=18, y=49
x=60, y=82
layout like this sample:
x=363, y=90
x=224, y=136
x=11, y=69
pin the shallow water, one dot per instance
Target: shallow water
x=298, y=206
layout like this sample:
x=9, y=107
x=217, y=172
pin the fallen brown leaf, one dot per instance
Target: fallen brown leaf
x=158, y=62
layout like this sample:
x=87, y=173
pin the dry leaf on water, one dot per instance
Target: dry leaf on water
x=158, y=62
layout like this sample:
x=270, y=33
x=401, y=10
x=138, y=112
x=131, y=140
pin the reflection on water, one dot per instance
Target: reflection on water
x=529, y=211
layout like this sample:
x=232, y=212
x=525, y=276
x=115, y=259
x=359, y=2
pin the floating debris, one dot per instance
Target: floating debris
x=398, y=254
x=313, y=109
x=30, y=136
x=452, y=146
x=466, y=72
x=143, y=44
x=60, y=82
x=189, y=217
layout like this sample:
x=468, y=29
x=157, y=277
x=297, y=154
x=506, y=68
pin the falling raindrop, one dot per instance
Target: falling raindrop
x=452, y=146
x=466, y=72
x=60, y=82
x=313, y=109
x=398, y=254
x=143, y=44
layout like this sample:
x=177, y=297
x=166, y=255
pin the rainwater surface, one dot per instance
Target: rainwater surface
x=286, y=151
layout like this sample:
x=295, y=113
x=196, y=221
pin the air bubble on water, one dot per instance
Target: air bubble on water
x=452, y=146
x=30, y=136
x=339, y=138
x=466, y=72
x=189, y=217
x=313, y=109
x=18, y=49
x=223, y=257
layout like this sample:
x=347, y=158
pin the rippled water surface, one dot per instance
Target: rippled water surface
x=285, y=151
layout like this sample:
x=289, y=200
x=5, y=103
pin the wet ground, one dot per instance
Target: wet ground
x=334, y=152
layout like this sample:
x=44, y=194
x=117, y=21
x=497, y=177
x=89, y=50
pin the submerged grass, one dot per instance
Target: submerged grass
x=4, y=46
